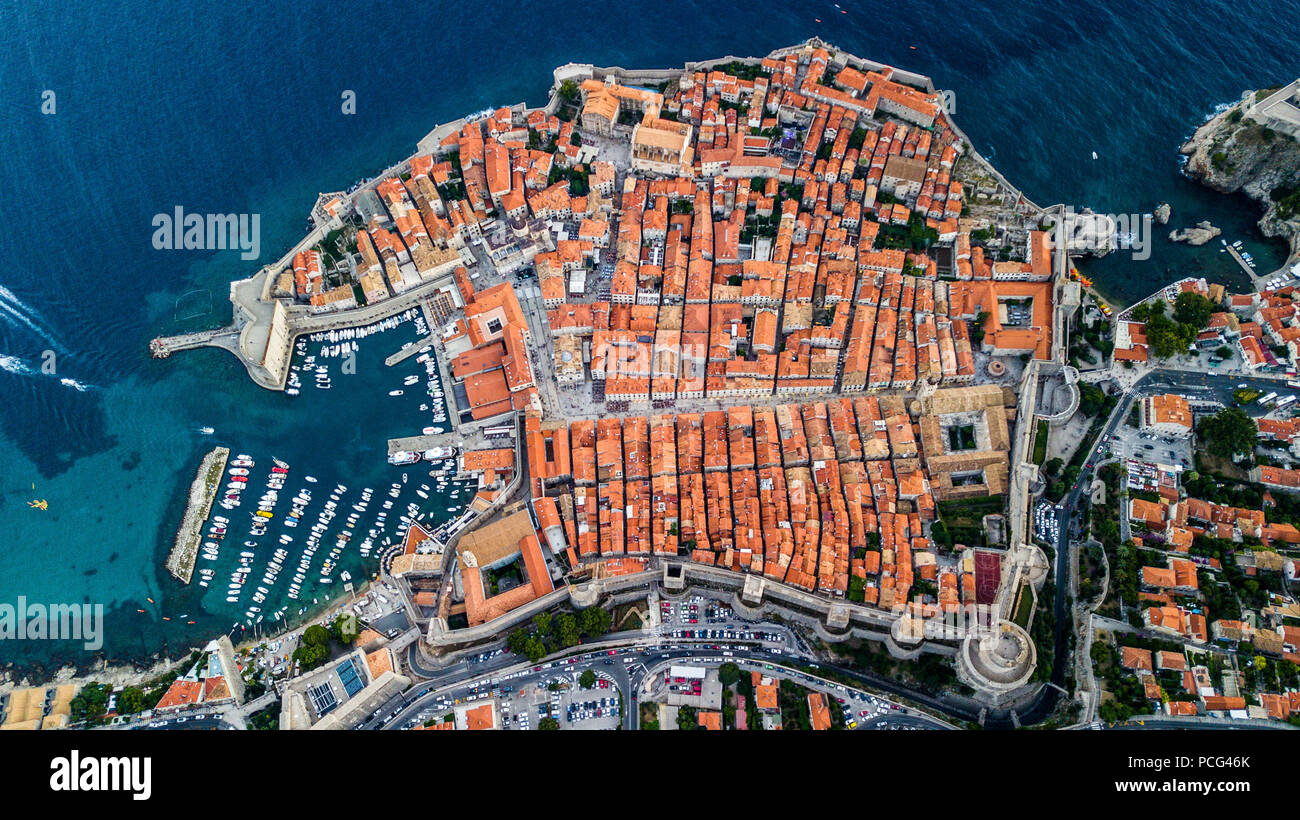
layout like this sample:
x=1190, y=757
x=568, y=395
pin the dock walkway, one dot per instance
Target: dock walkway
x=418, y=444
x=411, y=350
x=164, y=346
x=1255, y=279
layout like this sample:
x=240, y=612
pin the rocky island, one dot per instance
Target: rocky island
x=1199, y=235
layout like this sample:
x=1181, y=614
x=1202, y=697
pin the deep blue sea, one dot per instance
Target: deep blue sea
x=236, y=107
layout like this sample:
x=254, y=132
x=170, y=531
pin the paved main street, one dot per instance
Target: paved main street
x=666, y=633
x=630, y=669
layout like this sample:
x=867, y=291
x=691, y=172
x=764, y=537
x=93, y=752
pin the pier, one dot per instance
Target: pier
x=1245, y=266
x=411, y=350
x=418, y=444
x=265, y=328
x=207, y=481
x=164, y=346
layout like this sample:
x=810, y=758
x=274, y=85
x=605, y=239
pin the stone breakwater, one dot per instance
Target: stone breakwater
x=1233, y=152
x=185, y=549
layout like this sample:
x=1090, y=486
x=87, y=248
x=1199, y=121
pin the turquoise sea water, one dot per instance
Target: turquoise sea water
x=232, y=107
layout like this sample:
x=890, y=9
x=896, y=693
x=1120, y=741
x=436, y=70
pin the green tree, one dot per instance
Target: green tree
x=587, y=679
x=1228, y=432
x=729, y=673
x=534, y=649
x=1053, y=467
x=267, y=719
x=548, y=724
x=1091, y=399
x=516, y=641
x=130, y=700
x=977, y=328
x=542, y=623
x=686, y=718
x=566, y=629
x=90, y=702
x=316, y=635
x=345, y=629
x=939, y=533
x=309, y=656
x=1193, y=309
x=594, y=621
x=568, y=91
x=1167, y=337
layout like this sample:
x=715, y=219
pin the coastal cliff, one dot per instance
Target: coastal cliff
x=1234, y=152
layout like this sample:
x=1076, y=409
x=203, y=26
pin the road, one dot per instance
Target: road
x=672, y=632
x=185, y=722
x=631, y=668
x=1065, y=519
x=1212, y=387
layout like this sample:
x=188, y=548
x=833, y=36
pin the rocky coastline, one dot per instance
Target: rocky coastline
x=100, y=671
x=1233, y=153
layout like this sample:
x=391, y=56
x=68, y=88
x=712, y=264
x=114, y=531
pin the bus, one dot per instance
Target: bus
x=1267, y=398
x=1293, y=384
x=1284, y=401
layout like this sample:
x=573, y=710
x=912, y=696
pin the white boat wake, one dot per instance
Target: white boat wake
x=19, y=312
x=16, y=366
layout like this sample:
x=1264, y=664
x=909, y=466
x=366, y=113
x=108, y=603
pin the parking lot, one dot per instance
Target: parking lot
x=559, y=696
x=1047, y=522
x=591, y=709
x=1129, y=443
x=563, y=699
x=702, y=618
x=868, y=707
